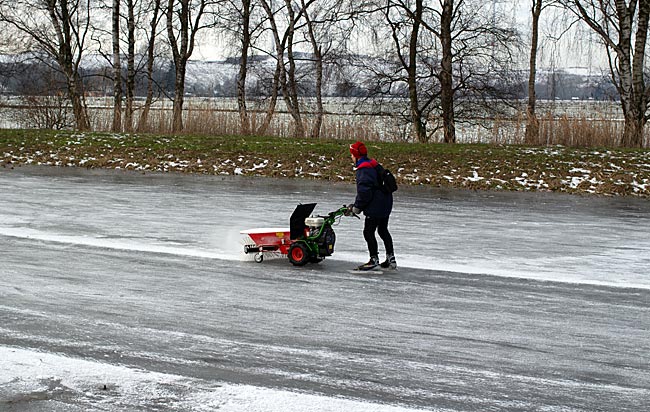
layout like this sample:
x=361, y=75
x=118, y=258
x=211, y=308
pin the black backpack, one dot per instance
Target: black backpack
x=386, y=179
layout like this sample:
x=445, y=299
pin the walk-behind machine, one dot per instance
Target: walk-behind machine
x=309, y=239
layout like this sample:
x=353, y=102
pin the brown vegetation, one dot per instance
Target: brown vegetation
x=469, y=166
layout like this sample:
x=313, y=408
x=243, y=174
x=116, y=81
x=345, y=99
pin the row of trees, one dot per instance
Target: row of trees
x=450, y=59
x=622, y=27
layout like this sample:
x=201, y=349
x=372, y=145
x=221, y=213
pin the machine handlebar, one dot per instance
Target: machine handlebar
x=343, y=211
x=346, y=211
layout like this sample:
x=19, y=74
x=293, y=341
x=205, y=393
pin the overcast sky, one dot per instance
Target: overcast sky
x=577, y=50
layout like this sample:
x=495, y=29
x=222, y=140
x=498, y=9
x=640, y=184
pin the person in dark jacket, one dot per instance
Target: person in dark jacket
x=375, y=204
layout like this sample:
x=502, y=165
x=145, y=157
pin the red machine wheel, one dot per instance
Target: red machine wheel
x=298, y=254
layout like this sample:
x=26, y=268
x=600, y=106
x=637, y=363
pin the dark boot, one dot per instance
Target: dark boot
x=389, y=263
x=372, y=264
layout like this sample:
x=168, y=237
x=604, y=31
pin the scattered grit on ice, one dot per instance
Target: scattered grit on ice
x=604, y=172
x=90, y=385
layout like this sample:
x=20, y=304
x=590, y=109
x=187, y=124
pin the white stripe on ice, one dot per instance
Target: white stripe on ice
x=586, y=269
x=111, y=243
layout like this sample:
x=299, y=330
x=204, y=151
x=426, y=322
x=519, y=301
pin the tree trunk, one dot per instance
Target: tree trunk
x=247, y=124
x=318, y=63
x=286, y=77
x=62, y=22
x=532, y=123
x=289, y=83
x=630, y=72
x=75, y=91
x=413, y=20
x=633, y=129
x=130, y=71
x=626, y=87
x=179, y=53
x=117, y=70
x=144, y=116
x=416, y=112
x=189, y=25
x=243, y=68
x=446, y=74
x=179, y=98
x=633, y=132
x=270, y=110
x=627, y=70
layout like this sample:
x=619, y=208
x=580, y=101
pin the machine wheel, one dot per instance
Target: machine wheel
x=259, y=257
x=298, y=254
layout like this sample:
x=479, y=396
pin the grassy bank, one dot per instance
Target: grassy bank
x=484, y=167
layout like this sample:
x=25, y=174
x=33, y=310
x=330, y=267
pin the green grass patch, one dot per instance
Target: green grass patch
x=472, y=166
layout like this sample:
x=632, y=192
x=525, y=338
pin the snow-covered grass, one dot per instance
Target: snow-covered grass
x=472, y=166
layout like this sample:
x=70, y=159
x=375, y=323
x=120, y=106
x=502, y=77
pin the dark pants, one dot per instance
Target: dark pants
x=380, y=225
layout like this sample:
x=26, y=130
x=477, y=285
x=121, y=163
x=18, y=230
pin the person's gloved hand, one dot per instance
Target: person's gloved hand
x=353, y=209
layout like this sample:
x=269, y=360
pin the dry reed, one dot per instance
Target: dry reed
x=204, y=118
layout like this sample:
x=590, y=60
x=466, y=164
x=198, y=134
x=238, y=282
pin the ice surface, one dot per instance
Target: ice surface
x=604, y=241
x=142, y=223
x=102, y=386
x=265, y=230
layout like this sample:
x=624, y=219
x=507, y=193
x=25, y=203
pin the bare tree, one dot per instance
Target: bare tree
x=475, y=74
x=288, y=80
x=406, y=20
x=59, y=30
x=185, y=18
x=246, y=34
x=446, y=70
x=406, y=67
x=536, y=8
x=622, y=25
x=475, y=63
x=318, y=65
x=155, y=15
x=244, y=21
x=294, y=27
x=283, y=41
x=130, y=65
x=451, y=56
x=126, y=16
x=126, y=27
x=327, y=26
x=532, y=124
x=117, y=68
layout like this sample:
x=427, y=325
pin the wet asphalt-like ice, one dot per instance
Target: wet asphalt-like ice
x=502, y=301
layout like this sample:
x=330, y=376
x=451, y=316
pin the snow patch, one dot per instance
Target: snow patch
x=95, y=385
x=579, y=170
x=475, y=177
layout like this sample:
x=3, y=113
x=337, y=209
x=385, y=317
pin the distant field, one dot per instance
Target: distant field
x=570, y=123
x=617, y=172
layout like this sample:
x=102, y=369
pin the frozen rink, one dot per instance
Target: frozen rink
x=125, y=291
